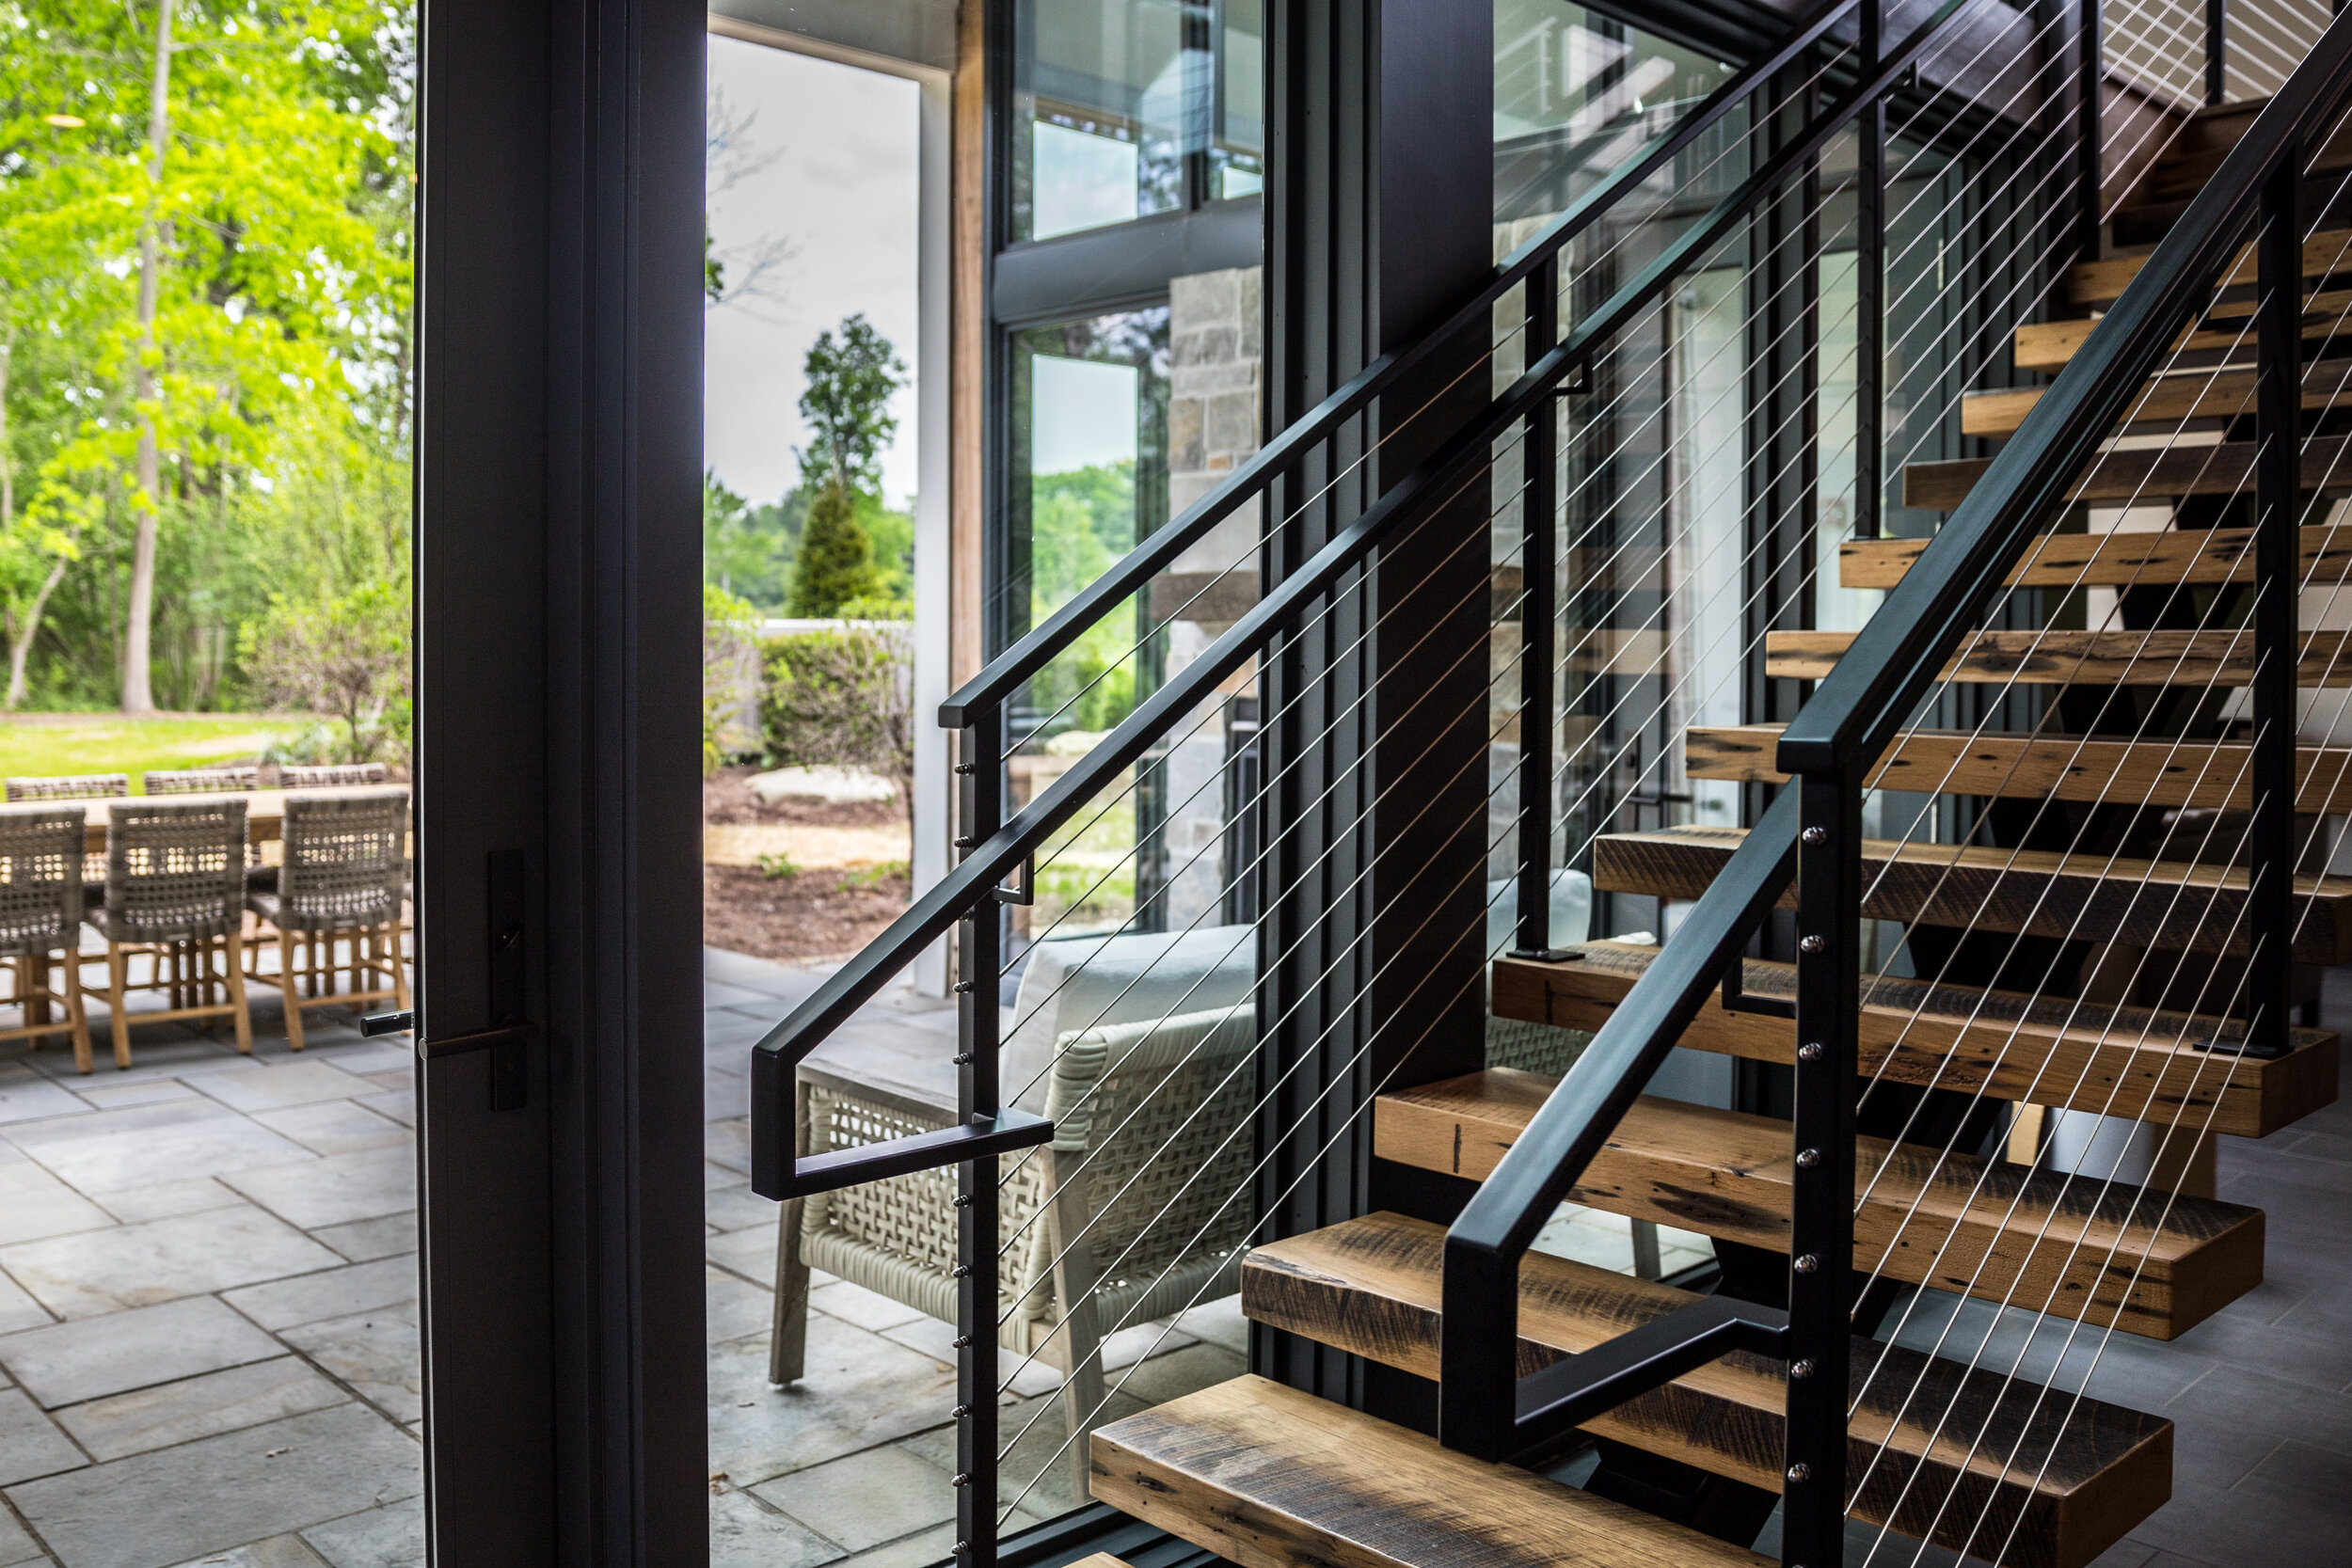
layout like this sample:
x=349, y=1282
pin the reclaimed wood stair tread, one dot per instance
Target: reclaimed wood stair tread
x=2049, y=345
x=1268, y=1476
x=2225, y=469
x=2077, y=1248
x=2163, y=904
x=2121, y=1061
x=2061, y=1489
x=2160, y=772
x=2183, y=395
x=2102, y=282
x=2146, y=559
x=2059, y=657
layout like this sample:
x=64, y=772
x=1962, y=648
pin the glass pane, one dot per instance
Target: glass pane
x=1100, y=105
x=1237, y=156
x=1576, y=95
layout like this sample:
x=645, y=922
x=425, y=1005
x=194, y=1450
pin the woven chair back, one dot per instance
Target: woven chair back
x=345, y=860
x=331, y=775
x=70, y=787
x=41, y=879
x=201, y=781
x=175, y=871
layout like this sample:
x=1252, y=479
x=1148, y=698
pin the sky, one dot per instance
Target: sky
x=834, y=152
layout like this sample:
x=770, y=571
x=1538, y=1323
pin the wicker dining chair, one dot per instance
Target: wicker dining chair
x=341, y=883
x=70, y=786
x=1127, y=1216
x=175, y=895
x=200, y=781
x=331, y=775
x=40, y=920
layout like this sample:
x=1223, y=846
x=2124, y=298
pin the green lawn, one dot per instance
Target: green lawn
x=110, y=743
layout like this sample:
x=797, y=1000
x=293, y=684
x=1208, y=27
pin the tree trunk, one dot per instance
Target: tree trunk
x=21, y=637
x=139, y=694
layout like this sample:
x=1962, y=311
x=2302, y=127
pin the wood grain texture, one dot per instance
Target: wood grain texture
x=2048, y=345
x=1268, y=1476
x=2050, y=657
x=2121, y=1061
x=2117, y=560
x=1371, y=1286
x=2032, y=768
x=2102, y=282
x=2040, y=1240
x=2161, y=904
x=2187, y=395
x=2226, y=469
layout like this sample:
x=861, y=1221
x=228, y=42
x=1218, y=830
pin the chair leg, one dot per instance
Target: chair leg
x=235, y=981
x=399, y=965
x=74, y=1013
x=286, y=989
x=1074, y=1280
x=117, y=992
x=787, y=1323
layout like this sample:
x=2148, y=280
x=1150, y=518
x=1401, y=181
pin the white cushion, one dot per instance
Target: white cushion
x=1082, y=983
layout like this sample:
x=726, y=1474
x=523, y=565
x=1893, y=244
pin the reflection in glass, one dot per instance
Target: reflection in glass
x=1124, y=108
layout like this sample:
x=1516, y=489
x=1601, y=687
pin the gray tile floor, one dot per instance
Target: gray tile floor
x=221, y=1368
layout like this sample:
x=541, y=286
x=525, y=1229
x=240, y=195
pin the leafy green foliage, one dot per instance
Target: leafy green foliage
x=347, y=657
x=748, y=550
x=730, y=675
x=840, y=699
x=1080, y=523
x=851, y=379
x=834, y=563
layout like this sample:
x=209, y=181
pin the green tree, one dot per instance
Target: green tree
x=846, y=405
x=834, y=563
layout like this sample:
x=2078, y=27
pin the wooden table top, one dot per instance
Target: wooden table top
x=264, y=808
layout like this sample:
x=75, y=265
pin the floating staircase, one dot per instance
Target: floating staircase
x=1943, y=1452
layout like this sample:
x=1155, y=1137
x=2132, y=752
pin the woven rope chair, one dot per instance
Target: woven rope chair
x=200, y=781
x=40, y=919
x=175, y=894
x=340, y=884
x=331, y=775
x=70, y=786
x=1151, y=1142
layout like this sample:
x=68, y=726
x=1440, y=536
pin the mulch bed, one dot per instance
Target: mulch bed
x=815, y=918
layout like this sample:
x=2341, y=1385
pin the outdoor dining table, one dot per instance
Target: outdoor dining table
x=264, y=810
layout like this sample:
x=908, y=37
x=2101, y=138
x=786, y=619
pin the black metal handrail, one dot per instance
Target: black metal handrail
x=1484, y=1408
x=1010, y=669
x=988, y=861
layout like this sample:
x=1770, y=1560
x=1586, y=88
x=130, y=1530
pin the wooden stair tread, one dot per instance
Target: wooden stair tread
x=2082, y=1248
x=2151, y=558
x=2138, y=903
x=1371, y=1286
x=2225, y=469
x=2049, y=345
x=1268, y=1476
x=2160, y=772
x=2123, y=1061
x=2058, y=657
x=2102, y=282
x=2186, y=395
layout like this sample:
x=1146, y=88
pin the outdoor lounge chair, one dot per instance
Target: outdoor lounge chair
x=341, y=883
x=40, y=919
x=175, y=895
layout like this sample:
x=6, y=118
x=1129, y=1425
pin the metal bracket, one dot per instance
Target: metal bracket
x=1023, y=894
x=1738, y=999
x=1564, y=1396
x=1547, y=955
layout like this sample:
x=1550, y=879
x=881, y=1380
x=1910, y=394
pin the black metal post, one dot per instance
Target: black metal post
x=1829, y=969
x=1538, y=576
x=982, y=812
x=2090, y=84
x=2216, y=51
x=2278, y=415
x=1869, y=290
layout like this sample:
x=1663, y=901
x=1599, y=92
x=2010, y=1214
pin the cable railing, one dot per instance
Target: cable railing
x=1811, y=835
x=1128, y=1167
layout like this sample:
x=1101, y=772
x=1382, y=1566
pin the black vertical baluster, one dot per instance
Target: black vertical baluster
x=2276, y=651
x=2216, y=51
x=1869, y=291
x=1538, y=572
x=2089, y=84
x=1829, y=968
x=983, y=799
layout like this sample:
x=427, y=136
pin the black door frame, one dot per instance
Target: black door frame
x=558, y=580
